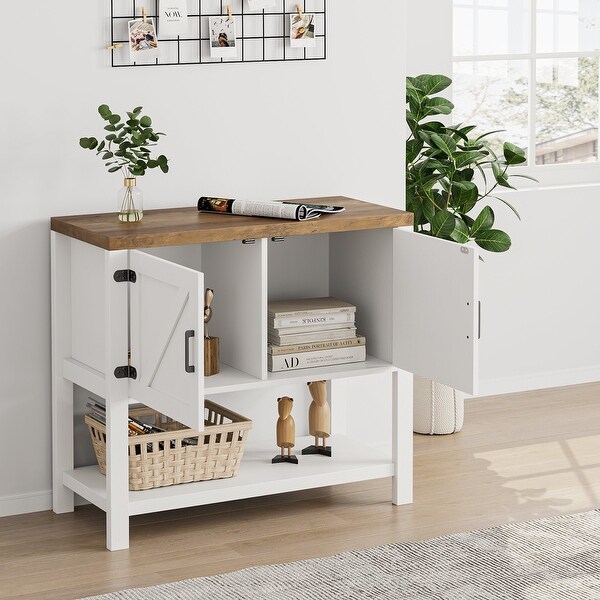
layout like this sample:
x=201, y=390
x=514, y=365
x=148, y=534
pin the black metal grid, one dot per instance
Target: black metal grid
x=272, y=45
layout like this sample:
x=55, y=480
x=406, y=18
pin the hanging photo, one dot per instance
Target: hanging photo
x=222, y=37
x=143, y=44
x=302, y=30
x=261, y=4
x=172, y=17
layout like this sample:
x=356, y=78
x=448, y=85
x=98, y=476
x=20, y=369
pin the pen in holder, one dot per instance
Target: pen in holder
x=211, y=344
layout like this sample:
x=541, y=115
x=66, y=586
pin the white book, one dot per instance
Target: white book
x=312, y=336
x=312, y=346
x=312, y=320
x=283, y=331
x=319, y=358
x=308, y=306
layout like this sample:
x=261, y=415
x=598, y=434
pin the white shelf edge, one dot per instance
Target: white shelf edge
x=84, y=376
x=351, y=461
x=240, y=381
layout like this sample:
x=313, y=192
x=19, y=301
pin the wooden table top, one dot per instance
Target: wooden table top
x=176, y=226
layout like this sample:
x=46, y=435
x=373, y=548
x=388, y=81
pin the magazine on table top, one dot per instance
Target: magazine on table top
x=277, y=210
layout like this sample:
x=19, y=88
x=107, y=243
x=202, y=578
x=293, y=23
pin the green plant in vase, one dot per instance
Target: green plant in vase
x=441, y=163
x=127, y=147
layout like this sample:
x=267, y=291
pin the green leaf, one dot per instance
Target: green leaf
x=162, y=160
x=114, y=119
x=464, y=194
x=101, y=146
x=442, y=224
x=133, y=123
x=107, y=155
x=114, y=169
x=431, y=84
x=110, y=128
x=461, y=231
x=439, y=106
x=152, y=164
x=104, y=111
x=513, y=155
x=462, y=159
x=508, y=204
x=164, y=168
x=137, y=110
x=413, y=147
x=145, y=121
x=111, y=136
x=493, y=240
x=464, y=175
x=93, y=143
x=485, y=220
x=84, y=142
x=445, y=143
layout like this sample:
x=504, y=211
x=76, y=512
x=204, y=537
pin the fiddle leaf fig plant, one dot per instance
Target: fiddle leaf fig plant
x=441, y=164
x=127, y=145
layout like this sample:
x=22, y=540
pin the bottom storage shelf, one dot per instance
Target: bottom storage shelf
x=351, y=461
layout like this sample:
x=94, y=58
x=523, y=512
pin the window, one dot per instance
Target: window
x=530, y=67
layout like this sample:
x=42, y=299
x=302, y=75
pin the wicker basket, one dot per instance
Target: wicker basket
x=161, y=459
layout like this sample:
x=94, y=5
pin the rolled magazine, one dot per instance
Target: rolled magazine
x=276, y=210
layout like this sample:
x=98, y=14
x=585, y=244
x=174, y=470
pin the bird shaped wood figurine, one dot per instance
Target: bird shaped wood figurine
x=319, y=419
x=286, y=431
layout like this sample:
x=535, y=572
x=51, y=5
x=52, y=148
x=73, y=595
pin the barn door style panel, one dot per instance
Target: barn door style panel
x=166, y=333
x=436, y=322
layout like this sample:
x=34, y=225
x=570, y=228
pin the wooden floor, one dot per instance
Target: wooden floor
x=518, y=457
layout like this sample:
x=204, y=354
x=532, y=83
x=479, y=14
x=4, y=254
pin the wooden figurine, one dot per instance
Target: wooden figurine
x=286, y=431
x=319, y=419
x=211, y=344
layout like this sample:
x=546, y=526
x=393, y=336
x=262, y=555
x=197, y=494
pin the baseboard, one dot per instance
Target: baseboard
x=25, y=503
x=30, y=503
x=538, y=381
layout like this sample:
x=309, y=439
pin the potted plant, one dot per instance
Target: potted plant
x=449, y=176
x=126, y=147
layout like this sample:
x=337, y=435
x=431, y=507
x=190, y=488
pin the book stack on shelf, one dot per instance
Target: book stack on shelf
x=312, y=332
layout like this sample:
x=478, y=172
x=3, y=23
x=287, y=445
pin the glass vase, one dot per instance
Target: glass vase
x=130, y=201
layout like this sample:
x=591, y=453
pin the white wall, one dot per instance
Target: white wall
x=540, y=300
x=351, y=106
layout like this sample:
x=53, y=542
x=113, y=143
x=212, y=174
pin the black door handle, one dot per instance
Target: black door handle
x=190, y=333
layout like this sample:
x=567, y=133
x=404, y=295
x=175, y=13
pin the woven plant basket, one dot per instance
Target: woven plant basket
x=438, y=408
x=161, y=459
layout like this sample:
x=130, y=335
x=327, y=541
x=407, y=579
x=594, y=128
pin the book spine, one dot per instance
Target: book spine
x=281, y=331
x=317, y=319
x=313, y=336
x=320, y=358
x=310, y=311
x=311, y=347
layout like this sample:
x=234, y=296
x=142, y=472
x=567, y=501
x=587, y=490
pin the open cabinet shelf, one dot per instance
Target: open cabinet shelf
x=351, y=461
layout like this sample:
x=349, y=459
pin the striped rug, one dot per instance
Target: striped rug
x=557, y=558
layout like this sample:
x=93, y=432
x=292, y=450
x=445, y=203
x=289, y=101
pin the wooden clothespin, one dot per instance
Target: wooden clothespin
x=144, y=14
x=299, y=9
x=114, y=46
x=229, y=17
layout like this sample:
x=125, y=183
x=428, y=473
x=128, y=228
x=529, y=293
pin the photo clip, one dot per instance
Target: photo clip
x=229, y=17
x=299, y=9
x=144, y=14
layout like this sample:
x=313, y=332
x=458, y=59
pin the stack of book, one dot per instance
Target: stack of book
x=312, y=332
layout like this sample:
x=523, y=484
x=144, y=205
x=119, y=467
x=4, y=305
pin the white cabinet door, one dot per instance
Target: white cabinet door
x=166, y=333
x=436, y=312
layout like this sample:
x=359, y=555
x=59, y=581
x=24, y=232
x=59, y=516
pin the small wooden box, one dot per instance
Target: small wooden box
x=211, y=356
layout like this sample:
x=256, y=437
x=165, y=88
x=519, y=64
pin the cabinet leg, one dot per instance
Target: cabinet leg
x=117, y=476
x=63, y=499
x=402, y=437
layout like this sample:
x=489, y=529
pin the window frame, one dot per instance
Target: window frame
x=555, y=173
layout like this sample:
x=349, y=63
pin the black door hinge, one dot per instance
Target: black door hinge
x=125, y=275
x=126, y=372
